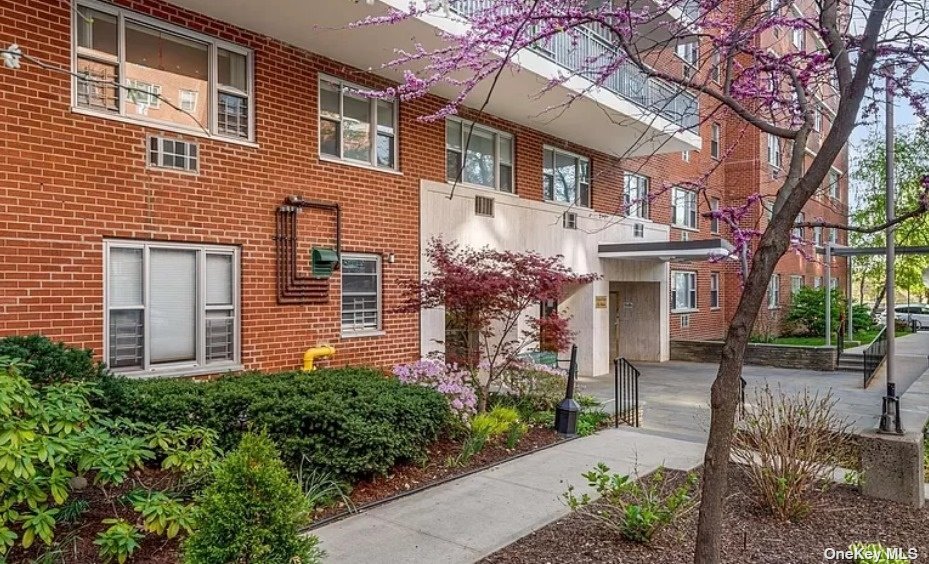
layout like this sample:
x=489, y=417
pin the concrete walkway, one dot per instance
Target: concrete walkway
x=676, y=395
x=469, y=518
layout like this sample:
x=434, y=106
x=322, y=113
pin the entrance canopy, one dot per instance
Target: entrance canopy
x=666, y=251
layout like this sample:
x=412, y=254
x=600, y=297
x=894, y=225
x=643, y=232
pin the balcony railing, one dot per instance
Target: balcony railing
x=588, y=47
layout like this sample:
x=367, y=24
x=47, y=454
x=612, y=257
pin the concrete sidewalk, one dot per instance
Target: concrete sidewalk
x=469, y=518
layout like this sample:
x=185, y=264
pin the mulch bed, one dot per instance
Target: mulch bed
x=435, y=468
x=841, y=517
x=75, y=542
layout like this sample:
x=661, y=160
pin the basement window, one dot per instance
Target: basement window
x=171, y=308
x=173, y=154
x=163, y=70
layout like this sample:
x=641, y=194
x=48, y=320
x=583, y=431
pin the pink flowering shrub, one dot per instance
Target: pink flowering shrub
x=447, y=379
x=537, y=385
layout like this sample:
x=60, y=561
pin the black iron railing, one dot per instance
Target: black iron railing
x=874, y=355
x=626, y=390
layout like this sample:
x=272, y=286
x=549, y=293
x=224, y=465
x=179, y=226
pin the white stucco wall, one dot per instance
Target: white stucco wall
x=519, y=224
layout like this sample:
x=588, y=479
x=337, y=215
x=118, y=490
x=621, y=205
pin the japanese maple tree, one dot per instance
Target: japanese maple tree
x=487, y=292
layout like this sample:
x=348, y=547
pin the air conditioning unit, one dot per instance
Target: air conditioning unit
x=483, y=206
x=569, y=220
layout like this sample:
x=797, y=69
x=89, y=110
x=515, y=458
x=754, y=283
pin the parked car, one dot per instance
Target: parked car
x=912, y=314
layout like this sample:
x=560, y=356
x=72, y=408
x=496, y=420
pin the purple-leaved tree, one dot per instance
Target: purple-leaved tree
x=858, y=46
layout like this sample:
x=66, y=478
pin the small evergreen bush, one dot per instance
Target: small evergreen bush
x=50, y=362
x=252, y=512
x=350, y=422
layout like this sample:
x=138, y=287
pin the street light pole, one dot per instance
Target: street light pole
x=890, y=416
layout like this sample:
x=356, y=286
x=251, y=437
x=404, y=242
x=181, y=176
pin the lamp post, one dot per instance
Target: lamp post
x=890, y=416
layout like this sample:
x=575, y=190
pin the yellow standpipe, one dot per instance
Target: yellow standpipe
x=312, y=354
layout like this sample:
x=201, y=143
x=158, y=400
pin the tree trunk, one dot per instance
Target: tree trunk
x=725, y=396
x=880, y=298
x=861, y=291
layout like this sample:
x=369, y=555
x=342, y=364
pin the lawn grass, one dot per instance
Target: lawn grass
x=863, y=337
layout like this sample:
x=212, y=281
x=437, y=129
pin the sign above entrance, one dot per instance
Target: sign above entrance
x=600, y=302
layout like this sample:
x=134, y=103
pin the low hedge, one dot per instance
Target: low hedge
x=51, y=362
x=353, y=422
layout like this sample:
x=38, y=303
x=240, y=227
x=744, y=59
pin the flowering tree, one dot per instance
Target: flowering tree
x=855, y=46
x=485, y=293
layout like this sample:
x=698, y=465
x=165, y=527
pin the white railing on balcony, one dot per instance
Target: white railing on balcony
x=588, y=48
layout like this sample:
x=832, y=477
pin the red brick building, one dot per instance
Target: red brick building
x=160, y=231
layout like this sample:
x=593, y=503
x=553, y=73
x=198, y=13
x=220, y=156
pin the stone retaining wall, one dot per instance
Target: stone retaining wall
x=780, y=356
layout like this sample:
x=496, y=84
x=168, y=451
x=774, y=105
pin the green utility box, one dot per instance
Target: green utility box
x=323, y=262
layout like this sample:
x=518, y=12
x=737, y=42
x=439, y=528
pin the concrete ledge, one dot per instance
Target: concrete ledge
x=892, y=467
x=760, y=354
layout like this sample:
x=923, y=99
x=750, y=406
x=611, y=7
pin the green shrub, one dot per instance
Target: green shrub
x=636, y=509
x=589, y=421
x=350, y=422
x=50, y=362
x=252, y=512
x=500, y=421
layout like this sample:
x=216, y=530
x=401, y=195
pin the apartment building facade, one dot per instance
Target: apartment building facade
x=238, y=202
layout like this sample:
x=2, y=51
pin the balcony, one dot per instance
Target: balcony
x=629, y=116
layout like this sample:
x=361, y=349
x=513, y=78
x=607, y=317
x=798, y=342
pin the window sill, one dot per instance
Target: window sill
x=685, y=228
x=218, y=368
x=484, y=188
x=685, y=311
x=717, y=308
x=160, y=126
x=362, y=334
x=568, y=205
x=337, y=160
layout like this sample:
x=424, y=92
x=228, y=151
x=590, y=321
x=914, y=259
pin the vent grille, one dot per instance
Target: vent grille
x=638, y=230
x=685, y=236
x=570, y=220
x=685, y=321
x=173, y=154
x=483, y=206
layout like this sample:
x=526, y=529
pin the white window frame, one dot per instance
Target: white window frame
x=835, y=184
x=818, y=236
x=182, y=368
x=214, y=45
x=833, y=235
x=160, y=164
x=689, y=53
x=798, y=230
x=798, y=37
x=344, y=85
x=715, y=137
x=818, y=282
x=685, y=156
x=192, y=96
x=580, y=186
x=690, y=289
x=714, y=221
x=774, y=292
x=715, y=64
x=637, y=204
x=689, y=208
x=362, y=331
x=774, y=151
x=715, y=293
x=499, y=157
x=817, y=119
x=796, y=283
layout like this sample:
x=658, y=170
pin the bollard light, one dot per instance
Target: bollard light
x=567, y=411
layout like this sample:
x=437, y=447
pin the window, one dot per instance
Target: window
x=638, y=231
x=565, y=177
x=354, y=127
x=361, y=294
x=818, y=236
x=715, y=67
x=774, y=292
x=714, y=141
x=834, y=186
x=714, y=221
x=479, y=155
x=685, y=156
x=188, y=100
x=774, y=151
x=171, y=307
x=798, y=37
x=714, y=290
x=817, y=119
x=636, y=195
x=164, y=68
x=796, y=283
x=689, y=53
x=833, y=235
x=834, y=283
x=798, y=230
x=684, y=208
x=172, y=153
x=683, y=291
x=818, y=282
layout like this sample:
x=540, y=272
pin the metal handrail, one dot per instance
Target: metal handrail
x=589, y=46
x=874, y=355
x=626, y=390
